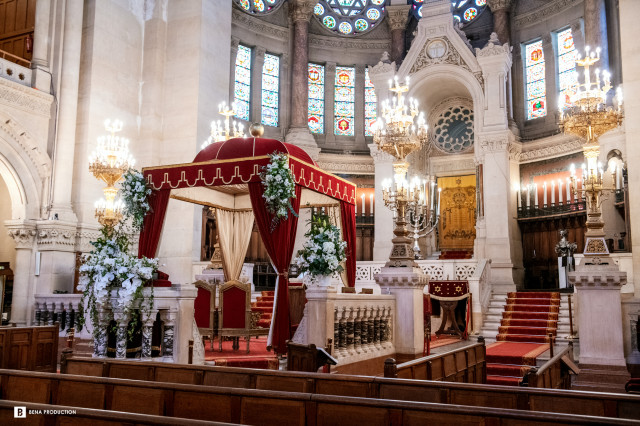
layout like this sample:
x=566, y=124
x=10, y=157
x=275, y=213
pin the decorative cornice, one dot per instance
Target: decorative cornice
x=355, y=164
x=452, y=164
x=301, y=10
x=55, y=235
x=598, y=277
x=382, y=67
x=501, y=143
x=554, y=146
x=25, y=98
x=316, y=40
x=84, y=236
x=496, y=5
x=398, y=16
x=257, y=26
x=22, y=232
x=541, y=13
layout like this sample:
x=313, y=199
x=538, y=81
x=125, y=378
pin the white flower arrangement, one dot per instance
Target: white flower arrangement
x=135, y=194
x=323, y=252
x=279, y=187
x=112, y=278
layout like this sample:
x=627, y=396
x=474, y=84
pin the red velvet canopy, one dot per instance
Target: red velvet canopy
x=240, y=161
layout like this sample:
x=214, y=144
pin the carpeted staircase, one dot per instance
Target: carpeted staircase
x=527, y=320
x=264, y=305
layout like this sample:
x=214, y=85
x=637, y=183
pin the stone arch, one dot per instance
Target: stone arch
x=24, y=167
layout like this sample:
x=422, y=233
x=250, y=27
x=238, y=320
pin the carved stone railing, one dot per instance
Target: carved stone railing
x=360, y=325
x=61, y=308
x=10, y=70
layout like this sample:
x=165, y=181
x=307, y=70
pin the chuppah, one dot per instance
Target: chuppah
x=229, y=176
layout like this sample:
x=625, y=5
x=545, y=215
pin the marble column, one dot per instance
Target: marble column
x=256, y=79
x=299, y=134
x=67, y=113
x=595, y=30
x=501, y=10
x=359, y=106
x=329, y=102
x=40, y=61
x=398, y=17
x=383, y=231
x=23, y=233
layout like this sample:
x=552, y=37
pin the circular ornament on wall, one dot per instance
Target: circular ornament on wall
x=258, y=7
x=350, y=17
x=452, y=126
x=437, y=49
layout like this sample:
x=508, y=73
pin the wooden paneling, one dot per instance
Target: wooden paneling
x=29, y=348
x=17, y=21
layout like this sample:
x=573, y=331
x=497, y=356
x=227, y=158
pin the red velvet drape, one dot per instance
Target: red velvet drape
x=279, y=245
x=348, y=219
x=152, y=226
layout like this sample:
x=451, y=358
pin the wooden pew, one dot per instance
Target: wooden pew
x=555, y=373
x=463, y=365
x=85, y=416
x=29, y=348
x=251, y=406
x=575, y=402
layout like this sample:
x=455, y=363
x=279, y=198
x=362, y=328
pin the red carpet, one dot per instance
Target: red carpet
x=264, y=305
x=258, y=356
x=527, y=321
x=444, y=340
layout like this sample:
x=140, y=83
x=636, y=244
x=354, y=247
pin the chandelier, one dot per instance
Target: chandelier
x=401, y=130
x=108, y=163
x=221, y=132
x=588, y=116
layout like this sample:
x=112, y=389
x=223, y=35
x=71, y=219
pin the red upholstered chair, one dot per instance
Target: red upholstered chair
x=235, y=311
x=205, y=310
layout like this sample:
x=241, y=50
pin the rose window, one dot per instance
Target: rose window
x=453, y=130
x=258, y=7
x=464, y=11
x=350, y=17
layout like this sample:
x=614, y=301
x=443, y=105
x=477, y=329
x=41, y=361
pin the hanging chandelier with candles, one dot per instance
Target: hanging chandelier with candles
x=401, y=130
x=588, y=116
x=221, y=132
x=108, y=163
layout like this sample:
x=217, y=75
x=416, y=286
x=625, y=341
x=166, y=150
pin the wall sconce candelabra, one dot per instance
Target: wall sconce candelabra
x=221, y=132
x=401, y=130
x=588, y=117
x=108, y=163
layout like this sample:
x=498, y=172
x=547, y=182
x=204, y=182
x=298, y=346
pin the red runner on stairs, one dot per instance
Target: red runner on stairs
x=264, y=305
x=527, y=321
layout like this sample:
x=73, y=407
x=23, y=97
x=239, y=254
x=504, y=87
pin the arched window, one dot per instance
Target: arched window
x=242, y=88
x=370, y=102
x=270, y=86
x=350, y=17
x=464, y=11
x=316, y=98
x=258, y=7
x=536, y=89
x=345, y=98
x=567, y=75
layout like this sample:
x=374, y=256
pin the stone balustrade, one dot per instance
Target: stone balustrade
x=14, y=72
x=61, y=308
x=360, y=325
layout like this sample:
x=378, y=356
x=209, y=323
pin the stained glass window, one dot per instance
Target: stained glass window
x=370, y=102
x=258, y=7
x=536, y=89
x=350, y=17
x=270, y=86
x=242, y=88
x=464, y=11
x=344, y=106
x=316, y=98
x=566, y=64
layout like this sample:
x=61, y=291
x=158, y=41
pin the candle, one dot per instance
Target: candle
x=362, y=196
x=519, y=196
x=528, y=195
x=568, y=191
x=433, y=194
x=371, y=204
x=553, y=192
x=544, y=190
x=439, y=193
x=535, y=189
x=559, y=191
x=619, y=177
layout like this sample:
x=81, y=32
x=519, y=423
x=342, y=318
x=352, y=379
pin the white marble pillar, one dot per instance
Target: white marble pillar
x=595, y=28
x=329, y=101
x=629, y=36
x=67, y=113
x=56, y=247
x=359, y=106
x=383, y=231
x=256, y=84
x=320, y=315
x=23, y=233
x=41, y=78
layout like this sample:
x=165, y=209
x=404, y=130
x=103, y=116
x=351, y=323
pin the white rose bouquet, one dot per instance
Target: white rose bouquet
x=135, y=194
x=279, y=187
x=324, y=250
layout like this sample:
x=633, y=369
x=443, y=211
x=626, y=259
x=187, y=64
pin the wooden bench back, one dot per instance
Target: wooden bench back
x=251, y=406
x=597, y=404
x=29, y=348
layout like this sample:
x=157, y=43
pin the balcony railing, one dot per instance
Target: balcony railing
x=552, y=209
x=15, y=68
